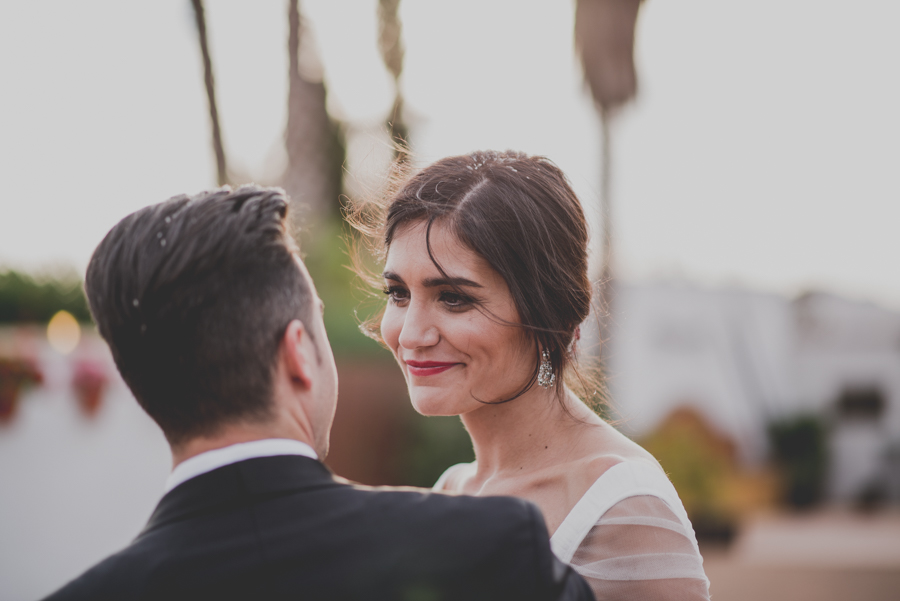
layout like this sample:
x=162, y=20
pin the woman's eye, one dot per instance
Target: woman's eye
x=454, y=300
x=396, y=294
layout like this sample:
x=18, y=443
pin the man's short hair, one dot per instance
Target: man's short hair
x=193, y=296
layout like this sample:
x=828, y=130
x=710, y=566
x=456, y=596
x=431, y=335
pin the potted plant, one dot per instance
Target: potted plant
x=15, y=375
x=89, y=381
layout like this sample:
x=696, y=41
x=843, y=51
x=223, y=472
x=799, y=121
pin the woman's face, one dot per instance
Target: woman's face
x=448, y=349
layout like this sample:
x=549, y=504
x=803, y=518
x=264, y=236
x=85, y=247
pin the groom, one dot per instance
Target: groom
x=216, y=327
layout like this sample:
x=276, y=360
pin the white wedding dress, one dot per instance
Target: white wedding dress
x=630, y=537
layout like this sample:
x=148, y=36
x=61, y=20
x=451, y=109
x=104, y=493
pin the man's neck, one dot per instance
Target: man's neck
x=230, y=435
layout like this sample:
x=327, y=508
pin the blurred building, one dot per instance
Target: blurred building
x=745, y=360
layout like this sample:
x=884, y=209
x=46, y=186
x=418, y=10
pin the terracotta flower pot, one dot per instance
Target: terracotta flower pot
x=15, y=374
x=89, y=382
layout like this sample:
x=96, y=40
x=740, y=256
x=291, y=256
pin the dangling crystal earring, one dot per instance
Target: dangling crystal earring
x=546, y=378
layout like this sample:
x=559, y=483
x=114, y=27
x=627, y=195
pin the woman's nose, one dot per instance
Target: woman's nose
x=418, y=330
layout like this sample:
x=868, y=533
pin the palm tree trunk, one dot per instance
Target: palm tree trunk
x=604, y=37
x=607, y=279
x=390, y=45
x=312, y=139
x=218, y=147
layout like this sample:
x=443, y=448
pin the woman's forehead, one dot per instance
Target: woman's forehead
x=408, y=252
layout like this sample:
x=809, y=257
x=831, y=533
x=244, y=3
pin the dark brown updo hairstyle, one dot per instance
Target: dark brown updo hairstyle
x=519, y=213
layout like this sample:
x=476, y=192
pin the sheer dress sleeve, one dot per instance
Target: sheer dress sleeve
x=641, y=548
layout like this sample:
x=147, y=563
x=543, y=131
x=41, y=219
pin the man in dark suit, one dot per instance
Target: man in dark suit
x=216, y=327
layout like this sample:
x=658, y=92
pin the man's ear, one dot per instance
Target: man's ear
x=297, y=354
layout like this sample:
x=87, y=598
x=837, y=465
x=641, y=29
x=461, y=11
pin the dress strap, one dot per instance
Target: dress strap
x=621, y=481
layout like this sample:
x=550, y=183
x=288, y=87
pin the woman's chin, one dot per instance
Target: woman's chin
x=434, y=405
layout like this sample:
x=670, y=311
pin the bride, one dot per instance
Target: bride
x=486, y=277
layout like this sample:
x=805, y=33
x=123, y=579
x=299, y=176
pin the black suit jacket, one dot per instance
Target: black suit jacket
x=285, y=528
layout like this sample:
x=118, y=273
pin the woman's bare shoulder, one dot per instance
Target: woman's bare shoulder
x=454, y=477
x=610, y=448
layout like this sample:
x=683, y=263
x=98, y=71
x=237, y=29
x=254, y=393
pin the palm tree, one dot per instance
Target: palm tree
x=604, y=37
x=391, y=47
x=312, y=139
x=218, y=147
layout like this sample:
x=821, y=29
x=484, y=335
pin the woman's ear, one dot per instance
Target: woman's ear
x=297, y=354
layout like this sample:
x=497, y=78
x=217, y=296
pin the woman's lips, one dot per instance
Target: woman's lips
x=427, y=368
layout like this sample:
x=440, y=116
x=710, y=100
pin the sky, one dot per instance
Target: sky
x=762, y=150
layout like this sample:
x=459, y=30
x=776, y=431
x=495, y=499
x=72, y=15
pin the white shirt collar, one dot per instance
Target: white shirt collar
x=211, y=460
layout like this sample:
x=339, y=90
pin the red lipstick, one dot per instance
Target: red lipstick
x=427, y=368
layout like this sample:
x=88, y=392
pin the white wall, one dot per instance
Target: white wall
x=726, y=353
x=73, y=489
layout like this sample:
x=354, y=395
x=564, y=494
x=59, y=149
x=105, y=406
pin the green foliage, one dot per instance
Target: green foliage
x=24, y=298
x=435, y=443
x=695, y=462
x=325, y=255
x=799, y=450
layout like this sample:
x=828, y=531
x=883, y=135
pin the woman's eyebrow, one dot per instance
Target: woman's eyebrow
x=435, y=282
x=459, y=282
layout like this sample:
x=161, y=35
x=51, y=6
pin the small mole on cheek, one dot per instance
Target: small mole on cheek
x=545, y=447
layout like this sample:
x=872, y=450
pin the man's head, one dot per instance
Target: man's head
x=210, y=314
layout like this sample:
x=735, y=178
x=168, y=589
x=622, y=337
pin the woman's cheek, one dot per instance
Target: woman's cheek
x=390, y=328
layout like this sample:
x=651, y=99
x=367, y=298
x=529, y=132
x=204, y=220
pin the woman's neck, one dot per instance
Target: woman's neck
x=527, y=433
